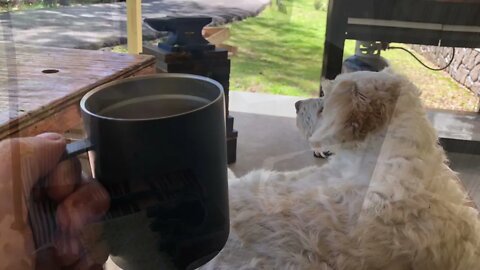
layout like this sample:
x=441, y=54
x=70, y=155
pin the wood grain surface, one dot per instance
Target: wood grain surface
x=32, y=101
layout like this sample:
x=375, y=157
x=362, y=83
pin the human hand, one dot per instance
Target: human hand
x=80, y=202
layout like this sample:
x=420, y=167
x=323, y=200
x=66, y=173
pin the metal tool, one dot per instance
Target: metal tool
x=185, y=33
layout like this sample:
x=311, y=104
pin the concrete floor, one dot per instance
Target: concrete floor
x=267, y=134
x=268, y=138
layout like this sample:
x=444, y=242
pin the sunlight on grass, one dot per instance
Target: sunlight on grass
x=281, y=53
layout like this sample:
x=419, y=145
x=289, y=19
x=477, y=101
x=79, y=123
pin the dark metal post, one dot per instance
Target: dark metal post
x=335, y=39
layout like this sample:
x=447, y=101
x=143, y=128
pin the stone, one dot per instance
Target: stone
x=446, y=51
x=456, y=62
x=464, y=53
x=440, y=57
x=469, y=82
x=477, y=59
x=476, y=88
x=459, y=54
x=475, y=73
x=461, y=74
x=471, y=59
x=465, y=67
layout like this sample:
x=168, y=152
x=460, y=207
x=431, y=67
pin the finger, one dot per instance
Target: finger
x=86, y=250
x=87, y=204
x=86, y=264
x=46, y=260
x=29, y=159
x=95, y=249
x=67, y=249
x=24, y=161
x=85, y=179
x=63, y=179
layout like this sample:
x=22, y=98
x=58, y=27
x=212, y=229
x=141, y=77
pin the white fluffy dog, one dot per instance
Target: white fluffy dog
x=386, y=200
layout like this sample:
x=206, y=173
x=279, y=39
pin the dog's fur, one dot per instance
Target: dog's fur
x=386, y=199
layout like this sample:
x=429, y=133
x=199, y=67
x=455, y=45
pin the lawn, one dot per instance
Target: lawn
x=281, y=53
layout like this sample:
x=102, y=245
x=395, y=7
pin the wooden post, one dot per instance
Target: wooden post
x=134, y=26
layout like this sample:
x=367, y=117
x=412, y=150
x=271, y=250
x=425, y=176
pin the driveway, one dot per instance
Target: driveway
x=103, y=25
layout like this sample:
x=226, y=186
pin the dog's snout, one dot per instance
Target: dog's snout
x=297, y=105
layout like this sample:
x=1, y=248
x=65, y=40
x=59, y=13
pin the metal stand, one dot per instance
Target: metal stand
x=406, y=21
x=367, y=57
x=186, y=51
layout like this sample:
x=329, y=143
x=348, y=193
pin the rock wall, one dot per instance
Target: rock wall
x=465, y=67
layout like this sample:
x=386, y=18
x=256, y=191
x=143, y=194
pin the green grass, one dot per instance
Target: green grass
x=281, y=53
x=21, y=6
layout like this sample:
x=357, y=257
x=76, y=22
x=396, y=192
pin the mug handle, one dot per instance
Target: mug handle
x=76, y=148
x=41, y=214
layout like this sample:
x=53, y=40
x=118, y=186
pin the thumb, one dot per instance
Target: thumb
x=24, y=161
x=32, y=158
x=46, y=149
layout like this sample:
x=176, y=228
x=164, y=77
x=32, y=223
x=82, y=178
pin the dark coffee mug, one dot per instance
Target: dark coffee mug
x=159, y=148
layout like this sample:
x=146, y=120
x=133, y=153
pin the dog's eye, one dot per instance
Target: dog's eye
x=319, y=111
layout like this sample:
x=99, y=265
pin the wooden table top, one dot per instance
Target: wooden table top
x=38, y=82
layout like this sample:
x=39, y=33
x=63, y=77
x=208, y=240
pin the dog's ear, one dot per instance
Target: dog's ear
x=366, y=110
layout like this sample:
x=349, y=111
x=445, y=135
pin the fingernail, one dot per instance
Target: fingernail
x=51, y=136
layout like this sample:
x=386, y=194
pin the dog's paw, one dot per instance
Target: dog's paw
x=320, y=154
